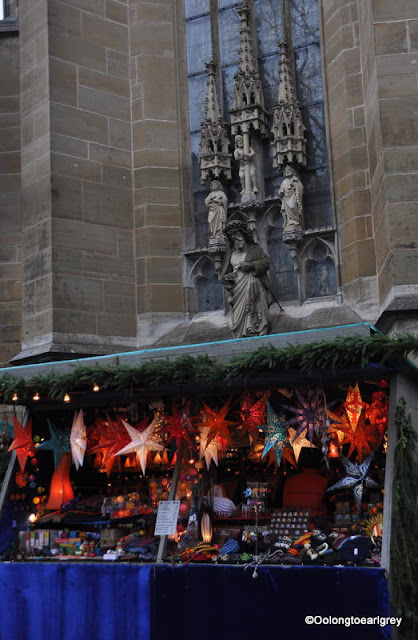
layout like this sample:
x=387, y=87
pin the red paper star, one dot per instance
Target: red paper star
x=378, y=411
x=216, y=421
x=22, y=441
x=253, y=413
x=364, y=439
x=354, y=405
x=112, y=438
x=179, y=426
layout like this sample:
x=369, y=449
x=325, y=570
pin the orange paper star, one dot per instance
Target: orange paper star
x=354, y=405
x=216, y=421
x=22, y=441
x=364, y=439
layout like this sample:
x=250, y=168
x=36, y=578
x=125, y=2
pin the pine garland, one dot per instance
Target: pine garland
x=341, y=352
x=404, y=539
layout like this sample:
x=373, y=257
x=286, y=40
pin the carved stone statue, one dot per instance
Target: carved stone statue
x=291, y=193
x=245, y=278
x=247, y=171
x=217, y=203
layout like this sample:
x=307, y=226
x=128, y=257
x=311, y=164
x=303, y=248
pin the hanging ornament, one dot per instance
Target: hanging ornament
x=339, y=425
x=59, y=443
x=333, y=451
x=355, y=479
x=310, y=414
x=298, y=442
x=78, y=439
x=253, y=413
x=275, y=432
x=179, y=427
x=22, y=440
x=216, y=421
x=141, y=444
x=210, y=449
x=354, y=405
x=61, y=489
x=365, y=439
x=377, y=413
x=112, y=436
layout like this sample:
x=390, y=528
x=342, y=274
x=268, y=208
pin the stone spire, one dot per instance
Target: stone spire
x=248, y=110
x=289, y=143
x=215, y=158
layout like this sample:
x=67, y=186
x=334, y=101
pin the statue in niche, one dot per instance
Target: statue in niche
x=217, y=203
x=291, y=194
x=245, y=157
x=244, y=276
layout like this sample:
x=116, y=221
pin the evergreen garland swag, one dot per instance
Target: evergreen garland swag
x=404, y=539
x=322, y=354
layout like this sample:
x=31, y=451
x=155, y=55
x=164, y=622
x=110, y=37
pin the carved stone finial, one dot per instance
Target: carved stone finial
x=289, y=143
x=248, y=109
x=215, y=158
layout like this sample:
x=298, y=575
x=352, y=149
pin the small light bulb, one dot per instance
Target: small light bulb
x=32, y=517
x=36, y=397
x=15, y=397
x=96, y=387
x=67, y=398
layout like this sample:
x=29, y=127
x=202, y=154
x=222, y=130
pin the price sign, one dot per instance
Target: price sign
x=167, y=515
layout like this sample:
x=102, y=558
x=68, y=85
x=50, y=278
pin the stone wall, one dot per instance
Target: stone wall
x=10, y=211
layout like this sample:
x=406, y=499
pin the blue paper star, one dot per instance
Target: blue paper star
x=275, y=432
x=58, y=444
x=355, y=479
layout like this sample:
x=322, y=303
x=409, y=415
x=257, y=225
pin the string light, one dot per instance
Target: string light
x=15, y=397
x=96, y=387
x=67, y=398
x=36, y=397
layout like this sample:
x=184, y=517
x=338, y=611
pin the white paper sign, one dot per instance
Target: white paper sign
x=168, y=512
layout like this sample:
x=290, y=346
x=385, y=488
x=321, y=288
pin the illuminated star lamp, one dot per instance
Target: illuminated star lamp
x=179, y=427
x=354, y=405
x=275, y=432
x=253, y=413
x=22, y=441
x=310, y=414
x=78, y=439
x=112, y=437
x=356, y=479
x=365, y=439
x=141, y=444
x=210, y=449
x=216, y=421
x=59, y=443
x=61, y=489
x=298, y=442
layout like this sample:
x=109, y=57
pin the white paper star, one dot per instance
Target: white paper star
x=208, y=451
x=78, y=439
x=299, y=443
x=141, y=443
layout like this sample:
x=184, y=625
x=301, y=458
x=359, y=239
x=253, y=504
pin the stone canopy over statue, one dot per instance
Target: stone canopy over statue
x=245, y=278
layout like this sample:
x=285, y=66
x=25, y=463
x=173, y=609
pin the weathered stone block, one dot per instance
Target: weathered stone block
x=153, y=38
x=155, y=69
x=105, y=33
x=69, y=146
x=37, y=265
x=103, y=82
x=396, y=64
x=397, y=86
x=405, y=266
x=117, y=64
x=160, y=297
x=158, y=215
x=117, y=176
x=156, y=158
x=105, y=103
x=36, y=325
x=401, y=160
x=156, y=195
x=71, y=292
x=78, y=124
x=110, y=155
x=399, y=121
x=93, y=6
x=10, y=140
x=36, y=238
x=65, y=261
x=120, y=134
x=109, y=267
x=32, y=24
x=390, y=37
x=76, y=167
x=10, y=291
x=116, y=11
x=353, y=231
x=358, y=261
x=43, y=293
x=155, y=241
x=83, y=236
x=387, y=10
x=116, y=325
x=9, y=83
x=107, y=205
x=77, y=50
x=64, y=18
x=119, y=304
x=150, y=134
x=156, y=177
x=403, y=224
x=164, y=270
x=160, y=101
x=66, y=197
x=157, y=12
x=74, y=321
x=36, y=202
x=402, y=187
x=413, y=34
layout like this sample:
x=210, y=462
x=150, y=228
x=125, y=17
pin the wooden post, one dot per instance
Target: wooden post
x=171, y=496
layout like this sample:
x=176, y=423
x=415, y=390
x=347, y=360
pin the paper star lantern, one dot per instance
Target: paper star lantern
x=339, y=425
x=141, y=444
x=179, y=427
x=216, y=421
x=61, y=489
x=112, y=437
x=275, y=432
x=298, y=442
x=377, y=413
x=310, y=414
x=210, y=449
x=354, y=405
x=253, y=413
x=78, y=439
x=364, y=439
x=59, y=443
x=355, y=479
x=22, y=440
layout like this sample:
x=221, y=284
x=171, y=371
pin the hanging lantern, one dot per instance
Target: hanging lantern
x=333, y=451
x=61, y=489
x=206, y=528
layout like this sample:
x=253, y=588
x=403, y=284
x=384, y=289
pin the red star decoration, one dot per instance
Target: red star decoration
x=112, y=438
x=253, y=413
x=22, y=441
x=216, y=421
x=354, y=405
x=364, y=439
x=179, y=426
x=377, y=412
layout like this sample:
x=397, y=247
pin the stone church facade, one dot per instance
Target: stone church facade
x=118, y=116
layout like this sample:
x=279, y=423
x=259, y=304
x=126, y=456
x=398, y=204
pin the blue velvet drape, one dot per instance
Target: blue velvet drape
x=148, y=602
